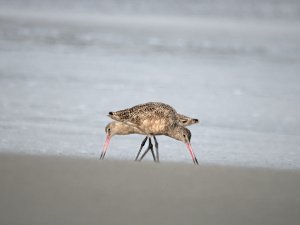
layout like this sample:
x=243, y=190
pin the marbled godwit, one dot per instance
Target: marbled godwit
x=120, y=128
x=155, y=118
x=181, y=119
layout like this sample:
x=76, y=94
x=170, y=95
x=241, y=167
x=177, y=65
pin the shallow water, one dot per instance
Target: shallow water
x=60, y=73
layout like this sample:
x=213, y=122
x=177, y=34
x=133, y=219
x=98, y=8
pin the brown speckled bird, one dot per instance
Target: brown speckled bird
x=154, y=118
x=120, y=128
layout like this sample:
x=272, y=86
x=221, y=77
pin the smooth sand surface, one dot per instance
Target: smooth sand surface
x=58, y=190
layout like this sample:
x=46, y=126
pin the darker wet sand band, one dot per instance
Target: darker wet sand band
x=52, y=190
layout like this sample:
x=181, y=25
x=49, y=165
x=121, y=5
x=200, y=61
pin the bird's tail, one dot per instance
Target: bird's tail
x=185, y=120
x=121, y=115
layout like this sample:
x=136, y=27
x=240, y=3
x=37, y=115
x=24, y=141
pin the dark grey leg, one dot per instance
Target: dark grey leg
x=142, y=145
x=150, y=147
x=156, y=148
x=153, y=155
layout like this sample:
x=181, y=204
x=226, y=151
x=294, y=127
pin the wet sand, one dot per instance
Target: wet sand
x=60, y=190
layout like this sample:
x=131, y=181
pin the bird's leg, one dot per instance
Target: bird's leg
x=152, y=151
x=156, y=148
x=142, y=145
x=150, y=147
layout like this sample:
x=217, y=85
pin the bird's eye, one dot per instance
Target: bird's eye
x=108, y=129
x=184, y=136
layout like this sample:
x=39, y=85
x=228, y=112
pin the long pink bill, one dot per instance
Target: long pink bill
x=105, y=147
x=192, y=154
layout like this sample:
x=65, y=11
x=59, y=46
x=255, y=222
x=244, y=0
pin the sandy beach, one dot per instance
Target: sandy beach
x=61, y=190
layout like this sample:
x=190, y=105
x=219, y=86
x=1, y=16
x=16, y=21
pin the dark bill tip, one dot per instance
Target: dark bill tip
x=196, y=161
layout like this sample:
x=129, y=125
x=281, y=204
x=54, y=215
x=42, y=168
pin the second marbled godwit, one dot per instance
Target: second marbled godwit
x=155, y=118
x=181, y=119
x=120, y=128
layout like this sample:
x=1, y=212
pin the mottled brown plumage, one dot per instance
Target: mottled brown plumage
x=120, y=128
x=150, y=118
x=155, y=118
x=185, y=120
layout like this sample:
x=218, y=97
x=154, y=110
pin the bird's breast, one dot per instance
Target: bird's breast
x=154, y=126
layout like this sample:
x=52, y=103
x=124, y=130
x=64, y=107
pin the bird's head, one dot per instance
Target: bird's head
x=183, y=134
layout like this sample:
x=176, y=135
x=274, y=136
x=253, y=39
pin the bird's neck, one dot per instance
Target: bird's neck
x=173, y=132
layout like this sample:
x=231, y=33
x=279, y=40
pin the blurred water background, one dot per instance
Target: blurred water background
x=232, y=64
